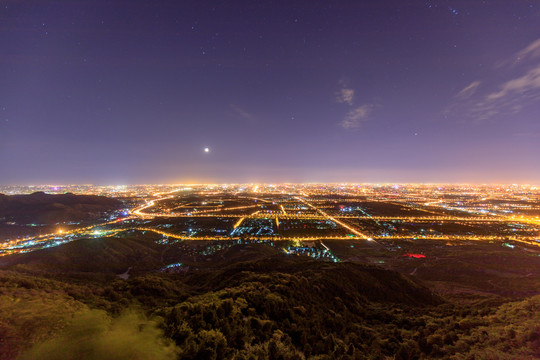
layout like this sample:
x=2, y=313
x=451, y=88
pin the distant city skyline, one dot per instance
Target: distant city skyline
x=203, y=91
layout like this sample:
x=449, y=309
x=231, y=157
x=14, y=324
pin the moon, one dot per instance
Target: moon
x=206, y=149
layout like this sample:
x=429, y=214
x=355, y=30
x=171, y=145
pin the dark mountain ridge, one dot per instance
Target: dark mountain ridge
x=42, y=208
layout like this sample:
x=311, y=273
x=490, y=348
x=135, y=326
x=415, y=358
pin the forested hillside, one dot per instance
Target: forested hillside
x=271, y=308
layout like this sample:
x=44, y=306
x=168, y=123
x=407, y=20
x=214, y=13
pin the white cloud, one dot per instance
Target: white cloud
x=345, y=96
x=529, y=81
x=241, y=112
x=354, y=117
x=532, y=50
x=511, y=97
x=489, y=98
x=469, y=90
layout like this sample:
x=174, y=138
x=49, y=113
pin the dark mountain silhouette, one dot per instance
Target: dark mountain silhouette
x=42, y=208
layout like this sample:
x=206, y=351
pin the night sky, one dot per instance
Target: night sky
x=113, y=92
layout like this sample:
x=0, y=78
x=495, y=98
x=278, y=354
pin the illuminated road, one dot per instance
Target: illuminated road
x=354, y=231
x=8, y=247
x=148, y=204
x=246, y=237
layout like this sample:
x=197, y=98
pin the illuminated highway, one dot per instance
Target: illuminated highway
x=354, y=231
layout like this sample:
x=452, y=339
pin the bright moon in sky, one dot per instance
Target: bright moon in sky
x=206, y=149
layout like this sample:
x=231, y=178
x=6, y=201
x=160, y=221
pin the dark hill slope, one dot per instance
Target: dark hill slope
x=309, y=278
x=100, y=255
x=276, y=307
x=230, y=268
x=300, y=277
x=42, y=208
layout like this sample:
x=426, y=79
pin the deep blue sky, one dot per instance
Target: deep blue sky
x=302, y=91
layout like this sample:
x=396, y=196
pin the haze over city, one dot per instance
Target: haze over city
x=288, y=91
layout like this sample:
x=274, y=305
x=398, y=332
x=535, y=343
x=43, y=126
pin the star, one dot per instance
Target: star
x=206, y=149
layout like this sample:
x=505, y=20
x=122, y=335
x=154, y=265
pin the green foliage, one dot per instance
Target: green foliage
x=95, y=335
x=256, y=310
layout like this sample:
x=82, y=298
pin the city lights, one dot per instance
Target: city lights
x=308, y=212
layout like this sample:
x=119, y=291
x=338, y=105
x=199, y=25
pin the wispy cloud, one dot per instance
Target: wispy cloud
x=527, y=82
x=533, y=50
x=511, y=88
x=525, y=55
x=356, y=116
x=510, y=97
x=241, y=112
x=469, y=90
x=345, y=95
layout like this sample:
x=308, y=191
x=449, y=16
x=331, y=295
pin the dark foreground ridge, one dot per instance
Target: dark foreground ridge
x=42, y=208
x=69, y=302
